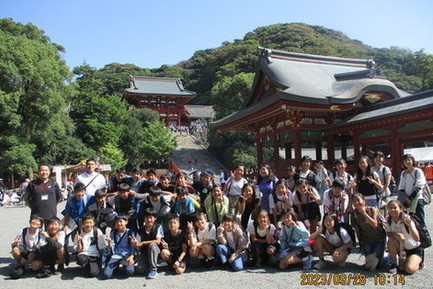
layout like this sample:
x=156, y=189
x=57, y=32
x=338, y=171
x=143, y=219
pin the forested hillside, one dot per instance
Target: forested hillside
x=51, y=115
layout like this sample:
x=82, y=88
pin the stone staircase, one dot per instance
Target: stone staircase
x=190, y=156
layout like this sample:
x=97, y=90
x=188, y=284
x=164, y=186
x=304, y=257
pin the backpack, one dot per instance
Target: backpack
x=425, y=192
x=424, y=234
x=24, y=234
x=209, y=227
x=95, y=238
x=350, y=231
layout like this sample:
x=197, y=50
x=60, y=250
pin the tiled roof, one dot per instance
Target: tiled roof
x=200, y=111
x=408, y=104
x=157, y=86
x=312, y=79
x=322, y=79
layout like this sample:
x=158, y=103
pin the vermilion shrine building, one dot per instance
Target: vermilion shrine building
x=330, y=104
x=162, y=94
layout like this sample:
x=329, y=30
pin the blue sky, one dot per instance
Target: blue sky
x=153, y=33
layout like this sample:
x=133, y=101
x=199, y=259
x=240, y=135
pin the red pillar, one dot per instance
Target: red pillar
x=356, y=147
x=288, y=148
x=298, y=147
x=319, y=151
x=276, y=152
x=344, y=149
x=396, y=153
x=259, y=150
x=330, y=148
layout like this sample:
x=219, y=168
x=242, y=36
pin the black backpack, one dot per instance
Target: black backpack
x=424, y=235
x=348, y=227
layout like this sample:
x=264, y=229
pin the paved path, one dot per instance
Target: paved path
x=15, y=218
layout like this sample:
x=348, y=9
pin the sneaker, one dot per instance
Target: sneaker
x=152, y=274
x=18, y=272
x=44, y=273
x=60, y=268
x=53, y=269
x=392, y=268
x=307, y=262
x=320, y=265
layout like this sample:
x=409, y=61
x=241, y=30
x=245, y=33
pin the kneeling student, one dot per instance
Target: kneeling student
x=202, y=239
x=88, y=243
x=26, y=245
x=53, y=251
x=121, y=243
x=232, y=243
x=333, y=238
x=403, y=236
x=294, y=241
x=174, y=245
x=263, y=242
x=148, y=241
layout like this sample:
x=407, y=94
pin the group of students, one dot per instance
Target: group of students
x=137, y=221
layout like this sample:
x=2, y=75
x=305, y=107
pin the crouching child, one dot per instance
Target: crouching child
x=89, y=242
x=53, y=251
x=121, y=242
x=174, y=245
x=26, y=246
x=148, y=241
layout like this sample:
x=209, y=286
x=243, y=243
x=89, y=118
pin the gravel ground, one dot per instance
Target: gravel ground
x=16, y=217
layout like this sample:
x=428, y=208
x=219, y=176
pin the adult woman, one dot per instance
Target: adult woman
x=266, y=184
x=412, y=180
x=234, y=186
x=367, y=182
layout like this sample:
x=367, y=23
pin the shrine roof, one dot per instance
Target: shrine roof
x=410, y=104
x=322, y=79
x=200, y=111
x=157, y=86
x=308, y=79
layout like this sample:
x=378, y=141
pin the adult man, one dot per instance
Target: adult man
x=91, y=179
x=120, y=177
x=43, y=195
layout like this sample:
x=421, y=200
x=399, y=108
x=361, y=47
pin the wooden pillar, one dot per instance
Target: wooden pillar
x=396, y=153
x=356, y=147
x=319, y=151
x=344, y=148
x=330, y=148
x=288, y=149
x=276, y=145
x=364, y=149
x=259, y=150
x=298, y=146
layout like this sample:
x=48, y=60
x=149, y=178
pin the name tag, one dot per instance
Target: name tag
x=44, y=197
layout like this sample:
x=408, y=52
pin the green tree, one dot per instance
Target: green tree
x=134, y=137
x=112, y=155
x=100, y=120
x=33, y=91
x=160, y=142
x=236, y=88
x=18, y=159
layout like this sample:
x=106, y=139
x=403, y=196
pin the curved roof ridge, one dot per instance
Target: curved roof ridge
x=296, y=56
